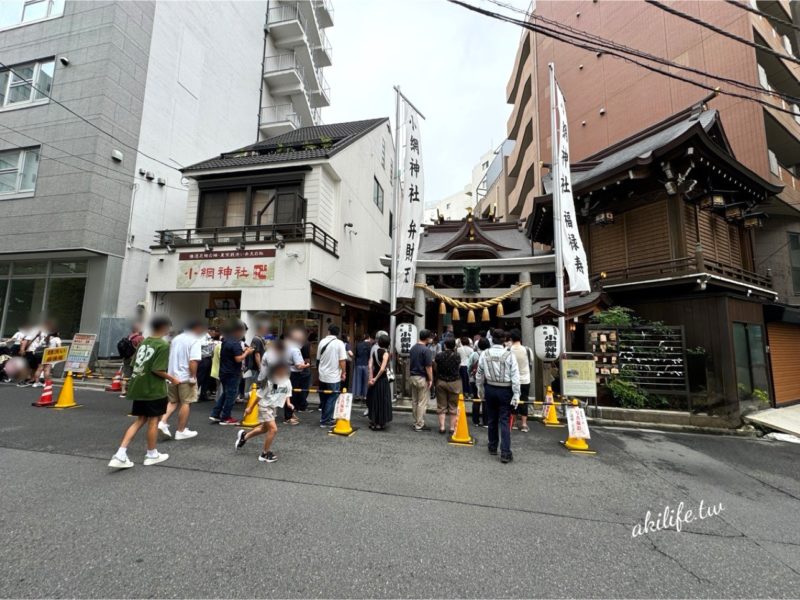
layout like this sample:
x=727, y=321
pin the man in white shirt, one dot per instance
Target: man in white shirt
x=185, y=354
x=332, y=369
x=524, y=356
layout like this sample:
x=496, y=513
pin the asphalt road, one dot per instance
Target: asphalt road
x=391, y=514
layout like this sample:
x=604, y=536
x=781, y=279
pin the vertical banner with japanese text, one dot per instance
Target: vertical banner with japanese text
x=571, y=245
x=412, y=206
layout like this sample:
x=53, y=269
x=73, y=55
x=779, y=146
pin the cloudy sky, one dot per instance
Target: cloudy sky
x=452, y=64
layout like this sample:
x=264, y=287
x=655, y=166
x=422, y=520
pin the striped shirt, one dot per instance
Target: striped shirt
x=498, y=367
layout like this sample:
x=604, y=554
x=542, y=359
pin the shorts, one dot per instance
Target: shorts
x=266, y=414
x=34, y=359
x=185, y=393
x=447, y=396
x=149, y=408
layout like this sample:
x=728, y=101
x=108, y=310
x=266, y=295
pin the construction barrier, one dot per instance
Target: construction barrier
x=251, y=420
x=461, y=436
x=46, y=399
x=66, y=398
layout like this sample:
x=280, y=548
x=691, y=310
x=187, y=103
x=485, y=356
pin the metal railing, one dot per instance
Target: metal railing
x=278, y=114
x=284, y=13
x=283, y=62
x=214, y=237
x=684, y=266
x=324, y=44
x=323, y=88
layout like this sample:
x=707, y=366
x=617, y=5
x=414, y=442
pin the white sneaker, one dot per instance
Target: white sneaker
x=164, y=429
x=38, y=384
x=185, y=434
x=116, y=463
x=155, y=460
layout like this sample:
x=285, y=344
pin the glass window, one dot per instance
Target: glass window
x=65, y=303
x=794, y=260
x=751, y=361
x=235, y=209
x=34, y=10
x=264, y=203
x=11, y=12
x=4, y=269
x=18, y=169
x=383, y=153
x=30, y=268
x=17, y=83
x=377, y=194
x=223, y=208
x=44, y=80
x=68, y=267
x=25, y=303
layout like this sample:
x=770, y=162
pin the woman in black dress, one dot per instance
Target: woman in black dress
x=379, y=398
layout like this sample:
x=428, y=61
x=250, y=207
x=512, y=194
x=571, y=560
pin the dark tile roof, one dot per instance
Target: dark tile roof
x=503, y=240
x=305, y=143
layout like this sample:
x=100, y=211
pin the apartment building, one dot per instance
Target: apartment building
x=293, y=226
x=101, y=104
x=609, y=100
x=454, y=206
x=296, y=52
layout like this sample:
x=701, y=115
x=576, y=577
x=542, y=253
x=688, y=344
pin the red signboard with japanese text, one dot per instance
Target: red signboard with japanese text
x=226, y=269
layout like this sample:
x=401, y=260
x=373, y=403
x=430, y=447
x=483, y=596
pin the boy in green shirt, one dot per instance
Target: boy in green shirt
x=148, y=390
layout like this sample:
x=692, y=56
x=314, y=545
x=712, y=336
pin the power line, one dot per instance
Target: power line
x=87, y=121
x=559, y=36
x=716, y=29
x=761, y=13
x=581, y=35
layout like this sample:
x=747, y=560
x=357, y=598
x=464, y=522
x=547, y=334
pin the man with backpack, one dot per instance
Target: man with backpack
x=524, y=356
x=126, y=348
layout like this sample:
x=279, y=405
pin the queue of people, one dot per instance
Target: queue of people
x=23, y=353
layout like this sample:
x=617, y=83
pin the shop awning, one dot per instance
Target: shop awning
x=338, y=295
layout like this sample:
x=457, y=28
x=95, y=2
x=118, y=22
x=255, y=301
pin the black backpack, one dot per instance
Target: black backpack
x=125, y=348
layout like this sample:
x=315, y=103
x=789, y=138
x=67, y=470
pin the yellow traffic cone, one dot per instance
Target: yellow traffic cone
x=251, y=420
x=461, y=436
x=577, y=445
x=342, y=426
x=549, y=414
x=66, y=398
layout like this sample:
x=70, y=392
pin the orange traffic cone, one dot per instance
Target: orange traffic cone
x=66, y=398
x=461, y=436
x=251, y=420
x=46, y=399
x=116, y=382
x=549, y=414
x=578, y=445
x=343, y=426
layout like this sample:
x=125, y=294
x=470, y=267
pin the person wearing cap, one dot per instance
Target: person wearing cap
x=497, y=380
x=185, y=354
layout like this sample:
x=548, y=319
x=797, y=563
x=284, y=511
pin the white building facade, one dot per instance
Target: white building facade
x=292, y=226
x=454, y=207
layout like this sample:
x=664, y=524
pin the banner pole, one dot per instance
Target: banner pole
x=554, y=174
x=393, y=266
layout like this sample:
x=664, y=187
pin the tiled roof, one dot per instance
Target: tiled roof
x=305, y=143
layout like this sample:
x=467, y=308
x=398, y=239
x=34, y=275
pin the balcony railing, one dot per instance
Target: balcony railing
x=323, y=89
x=325, y=45
x=215, y=237
x=684, y=266
x=284, y=13
x=279, y=113
x=283, y=62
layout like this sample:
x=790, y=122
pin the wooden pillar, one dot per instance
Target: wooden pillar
x=419, y=302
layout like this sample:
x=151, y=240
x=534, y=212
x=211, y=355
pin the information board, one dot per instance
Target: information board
x=80, y=352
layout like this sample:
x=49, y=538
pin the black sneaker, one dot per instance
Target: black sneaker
x=240, y=441
x=267, y=457
x=493, y=452
x=214, y=419
x=506, y=458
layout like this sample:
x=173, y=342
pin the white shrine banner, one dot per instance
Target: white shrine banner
x=577, y=424
x=571, y=245
x=411, y=207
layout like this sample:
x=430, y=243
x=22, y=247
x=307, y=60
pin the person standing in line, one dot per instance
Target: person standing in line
x=361, y=373
x=373, y=357
x=379, y=396
x=332, y=367
x=231, y=356
x=205, y=382
x=129, y=347
x=299, y=370
x=148, y=390
x=481, y=345
x=51, y=340
x=497, y=380
x=420, y=361
x=253, y=362
x=448, y=383
x=185, y=353
x=464, y=352
x=524, y=356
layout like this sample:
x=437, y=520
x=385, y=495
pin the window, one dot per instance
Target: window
x=391, y=224
x=383, y=153
x=794, y=261
x=751, y=362
x=18, y=170
x=23, y=84
x=17, y=12
x=391, y=171
x=250, y=206
x=377, y=194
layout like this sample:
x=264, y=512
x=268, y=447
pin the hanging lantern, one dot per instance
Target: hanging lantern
x=500, y=311
x=442, y=308
x=485, y=315
x=713, y=201
x=754, y=219
x=456, y=316
x=471, y=316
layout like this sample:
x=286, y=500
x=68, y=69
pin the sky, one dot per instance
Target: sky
x=453, y=65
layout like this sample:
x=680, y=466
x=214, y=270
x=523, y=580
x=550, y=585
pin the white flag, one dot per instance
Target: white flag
x=412, y=206
x=571, y=245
